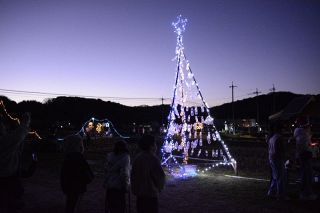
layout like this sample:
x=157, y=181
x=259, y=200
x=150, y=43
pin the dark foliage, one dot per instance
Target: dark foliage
x=77, y=110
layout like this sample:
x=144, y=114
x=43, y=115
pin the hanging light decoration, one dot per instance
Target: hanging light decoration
x=190, y=127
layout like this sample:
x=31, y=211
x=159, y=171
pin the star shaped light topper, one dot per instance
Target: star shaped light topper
x=180, y=25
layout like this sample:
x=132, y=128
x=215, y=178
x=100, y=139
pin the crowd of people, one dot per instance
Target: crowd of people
x=278, y=160
x=144, y=176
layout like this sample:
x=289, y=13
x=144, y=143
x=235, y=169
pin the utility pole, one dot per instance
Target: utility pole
x=162, y=111
x=233, y=123
x=273, y=90
x=257, y=92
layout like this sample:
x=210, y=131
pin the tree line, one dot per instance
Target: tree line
x=76, y=111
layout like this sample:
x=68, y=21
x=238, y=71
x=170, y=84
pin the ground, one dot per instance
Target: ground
x=214, y=191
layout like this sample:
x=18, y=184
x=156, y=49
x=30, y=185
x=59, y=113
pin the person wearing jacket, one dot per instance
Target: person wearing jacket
x=302, y=136
x=147, y=176
x=75, y=172
x=12, y=135
x=117, y=178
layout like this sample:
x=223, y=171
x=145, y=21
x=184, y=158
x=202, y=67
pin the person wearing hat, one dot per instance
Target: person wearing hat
x=302, y=136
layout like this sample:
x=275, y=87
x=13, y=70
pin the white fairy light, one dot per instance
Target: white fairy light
x=190, y=127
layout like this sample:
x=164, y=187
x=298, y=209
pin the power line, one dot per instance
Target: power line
x=25, y=92
x=273, y=90
x=257, y=92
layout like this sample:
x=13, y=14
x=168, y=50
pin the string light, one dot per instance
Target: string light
x=7, y=114
x=102, y=127
x=191, y=134
x=34, y=133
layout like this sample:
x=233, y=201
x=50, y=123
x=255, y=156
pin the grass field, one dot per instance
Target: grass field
x=215, y=191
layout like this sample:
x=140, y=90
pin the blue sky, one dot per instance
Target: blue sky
x=125, y=48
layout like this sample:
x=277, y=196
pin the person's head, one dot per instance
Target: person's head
x=302, y=122
x=147, y=143
x=120, y=147
x=73, y=143
x=277, y=127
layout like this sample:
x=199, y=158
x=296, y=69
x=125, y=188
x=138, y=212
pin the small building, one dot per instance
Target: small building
x=307, y=106
x=140, y=129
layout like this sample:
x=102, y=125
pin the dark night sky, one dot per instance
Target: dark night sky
x=125, y=48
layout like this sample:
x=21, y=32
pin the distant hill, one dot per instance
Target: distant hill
x=78, y=110
x=247, y=108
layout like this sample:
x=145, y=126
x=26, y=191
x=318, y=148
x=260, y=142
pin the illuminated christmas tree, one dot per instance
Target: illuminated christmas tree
x=191, y=136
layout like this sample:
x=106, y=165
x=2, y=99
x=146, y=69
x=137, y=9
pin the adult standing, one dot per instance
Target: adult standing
x=12, y=135
x=75, y=172
x=267, y=138
x=302, y=135
x=147, y=176
x=276, y=150
x=117, y=179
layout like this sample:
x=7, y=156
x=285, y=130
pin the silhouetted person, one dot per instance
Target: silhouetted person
x=277, y=159
x=147, y=176
x=12, y=135
x=75, y=172
x=302, y=135
x=117, y=180
x=267, y=137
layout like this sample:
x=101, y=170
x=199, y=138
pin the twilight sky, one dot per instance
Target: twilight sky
x=124, y=48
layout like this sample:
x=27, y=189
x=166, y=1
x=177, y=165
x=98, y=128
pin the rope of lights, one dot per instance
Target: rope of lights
x=17, y=120
x=106, y=122
x=181, y=114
